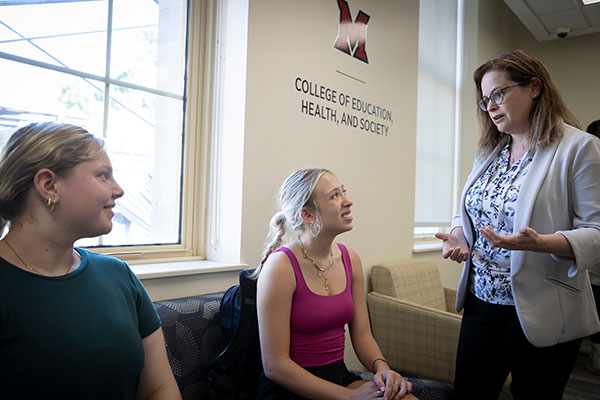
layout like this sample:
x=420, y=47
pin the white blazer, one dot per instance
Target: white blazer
x=560, y=194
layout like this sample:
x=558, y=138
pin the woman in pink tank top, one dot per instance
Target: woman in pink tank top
x=308, y=291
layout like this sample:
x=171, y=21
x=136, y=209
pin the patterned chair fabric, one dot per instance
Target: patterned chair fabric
x=413, y=320
x=193, y=340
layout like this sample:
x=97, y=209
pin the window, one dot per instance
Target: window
x=438, y=114
x=117, y=68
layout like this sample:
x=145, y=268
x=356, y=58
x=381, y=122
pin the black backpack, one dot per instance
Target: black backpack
x=234, y=373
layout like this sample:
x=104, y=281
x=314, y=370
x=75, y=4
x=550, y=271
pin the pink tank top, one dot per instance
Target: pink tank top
x=317, y=324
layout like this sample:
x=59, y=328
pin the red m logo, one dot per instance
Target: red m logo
x=352, y=36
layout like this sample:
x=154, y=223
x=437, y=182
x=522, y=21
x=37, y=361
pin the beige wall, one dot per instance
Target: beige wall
x=574, y=64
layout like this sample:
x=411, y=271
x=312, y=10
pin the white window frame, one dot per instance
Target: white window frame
x=196, y=155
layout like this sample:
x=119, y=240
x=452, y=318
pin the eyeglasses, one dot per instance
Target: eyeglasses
x=496, y=96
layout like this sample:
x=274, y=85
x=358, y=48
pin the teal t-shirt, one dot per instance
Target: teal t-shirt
x=77, y=336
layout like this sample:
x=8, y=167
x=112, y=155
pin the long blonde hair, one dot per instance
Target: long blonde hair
x=56, y=146
x=549, y=109
x=295, y=193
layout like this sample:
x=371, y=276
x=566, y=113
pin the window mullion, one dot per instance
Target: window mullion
x=107, y=69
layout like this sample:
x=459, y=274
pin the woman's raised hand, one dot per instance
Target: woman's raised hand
x=525, y=239
x=528, y=239
x=455, y=245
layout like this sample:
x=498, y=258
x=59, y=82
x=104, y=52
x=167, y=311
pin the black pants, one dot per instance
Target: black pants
x=595, y=338
x=492, y=344
x=335, y=372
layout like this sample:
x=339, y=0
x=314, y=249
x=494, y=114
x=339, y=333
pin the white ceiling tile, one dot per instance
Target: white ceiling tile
x=541, y=7
x=542, y=17
x=592, y=13
x=571, y=19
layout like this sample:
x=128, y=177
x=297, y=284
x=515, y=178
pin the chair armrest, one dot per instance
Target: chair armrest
x=415, y=339
x=450, y=295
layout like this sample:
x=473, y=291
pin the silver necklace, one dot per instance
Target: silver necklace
x=320, y=270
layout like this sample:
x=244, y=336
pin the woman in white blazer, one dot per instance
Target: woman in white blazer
x=527, y=231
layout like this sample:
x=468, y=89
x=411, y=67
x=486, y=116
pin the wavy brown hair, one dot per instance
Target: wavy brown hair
x=549, y=109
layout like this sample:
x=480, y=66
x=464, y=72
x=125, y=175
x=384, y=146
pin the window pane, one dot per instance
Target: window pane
x=145, y=148
x=142, y=124
x=436, y=91
x=148, y=43
x=69, y=34
x=33, y=94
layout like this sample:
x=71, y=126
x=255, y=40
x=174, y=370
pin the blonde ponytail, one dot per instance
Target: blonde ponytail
x=274, y=239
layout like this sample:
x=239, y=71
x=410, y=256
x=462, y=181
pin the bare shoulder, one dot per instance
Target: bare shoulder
x=357, y=269
x=277, y=271
x=354, y=257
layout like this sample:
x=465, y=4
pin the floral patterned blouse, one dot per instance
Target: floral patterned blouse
x=491, y=201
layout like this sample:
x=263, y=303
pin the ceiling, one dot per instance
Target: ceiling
x=546, y=18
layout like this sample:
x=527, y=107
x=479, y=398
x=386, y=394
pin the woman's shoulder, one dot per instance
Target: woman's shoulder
x=576, y=135
x=352, y=254
x=277, y=274
x=99, y=258
x=344, y=247
x=279, y=261
x=106, y=263
x=105, y=270
x=280, y=254
x=574, y=139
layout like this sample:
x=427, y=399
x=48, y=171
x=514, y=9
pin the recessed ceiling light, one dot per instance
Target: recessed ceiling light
x=588, y=2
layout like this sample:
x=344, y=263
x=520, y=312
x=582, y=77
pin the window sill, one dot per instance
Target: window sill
x=183, y=268
x=425, y=246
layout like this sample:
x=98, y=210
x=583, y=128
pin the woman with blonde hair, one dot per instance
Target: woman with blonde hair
x=307, y=291
x=528, y=231
x=73, y=324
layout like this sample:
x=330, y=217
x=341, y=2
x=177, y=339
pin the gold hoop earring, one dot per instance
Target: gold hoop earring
x=50, y=203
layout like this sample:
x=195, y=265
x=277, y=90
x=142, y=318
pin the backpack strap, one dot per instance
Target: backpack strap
x=236, y=370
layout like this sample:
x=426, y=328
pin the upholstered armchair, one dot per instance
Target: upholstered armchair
x=413, y=318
